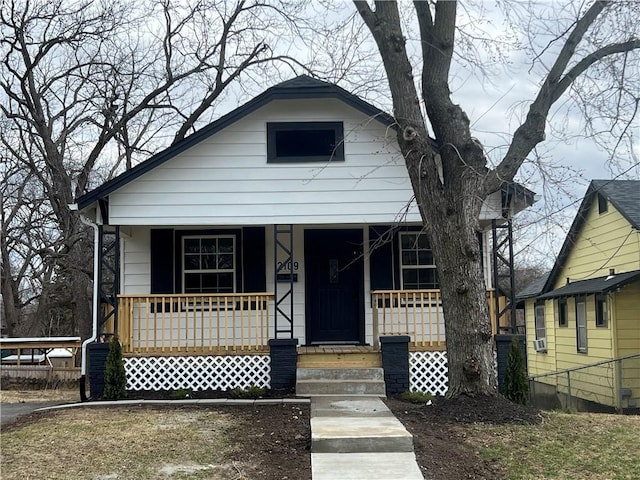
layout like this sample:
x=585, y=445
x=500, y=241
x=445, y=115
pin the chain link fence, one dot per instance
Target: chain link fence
x=602, y=386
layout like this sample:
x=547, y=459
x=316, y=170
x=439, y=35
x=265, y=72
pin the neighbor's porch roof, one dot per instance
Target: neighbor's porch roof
x=593, y=286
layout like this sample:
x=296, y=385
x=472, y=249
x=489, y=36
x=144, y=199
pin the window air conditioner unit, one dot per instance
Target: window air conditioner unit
x=540, y=345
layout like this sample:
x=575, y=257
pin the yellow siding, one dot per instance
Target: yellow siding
x=626, y=309
x=606, y=241
x=594, y=383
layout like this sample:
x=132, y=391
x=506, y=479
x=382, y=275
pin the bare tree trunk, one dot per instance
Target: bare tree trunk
x=455, y=243
x=449, y=172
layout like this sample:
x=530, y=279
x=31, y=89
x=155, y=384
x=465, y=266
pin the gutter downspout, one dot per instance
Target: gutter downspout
x=94, y=334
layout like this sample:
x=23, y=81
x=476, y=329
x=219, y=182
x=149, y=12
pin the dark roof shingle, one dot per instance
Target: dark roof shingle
x=594, y=285
x=624, y=195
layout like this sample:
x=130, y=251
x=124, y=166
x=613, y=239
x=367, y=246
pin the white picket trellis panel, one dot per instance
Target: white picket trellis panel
x=428, y=372
x=220, y=372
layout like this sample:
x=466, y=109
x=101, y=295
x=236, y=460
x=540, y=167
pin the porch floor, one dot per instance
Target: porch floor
x=318, y=349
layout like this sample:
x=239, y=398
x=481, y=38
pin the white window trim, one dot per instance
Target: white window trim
x=410, y=267
x=581, y=306
x=217, y=270
x=539, y=318
x=602, y=321
x=560, y=305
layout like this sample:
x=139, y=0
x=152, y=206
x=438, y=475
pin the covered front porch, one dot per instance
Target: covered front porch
x=243, y=323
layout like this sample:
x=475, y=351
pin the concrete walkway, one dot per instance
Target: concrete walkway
x=358, y=438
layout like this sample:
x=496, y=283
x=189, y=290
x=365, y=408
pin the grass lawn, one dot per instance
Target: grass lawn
x=581, y=446
x=52, y=395
x=121, y=444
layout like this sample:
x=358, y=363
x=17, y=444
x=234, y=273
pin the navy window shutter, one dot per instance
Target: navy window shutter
x=254, y=259
x=381, y=259
x=162, y=255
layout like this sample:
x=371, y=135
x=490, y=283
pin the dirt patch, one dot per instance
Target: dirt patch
x=443, y=449
x=275, y=442
x=231, y=442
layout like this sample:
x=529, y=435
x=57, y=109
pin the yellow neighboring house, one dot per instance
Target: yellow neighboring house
x=587, y=310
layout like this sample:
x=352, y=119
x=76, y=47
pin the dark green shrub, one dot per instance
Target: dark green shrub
x=416, y=397
x=115, y=380
x=516, y=385
x=252, y=392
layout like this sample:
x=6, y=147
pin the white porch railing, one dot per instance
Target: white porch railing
x=152, y=324
x=417, y=313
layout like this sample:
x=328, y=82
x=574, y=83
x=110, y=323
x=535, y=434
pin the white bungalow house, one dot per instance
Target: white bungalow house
x=289, y=218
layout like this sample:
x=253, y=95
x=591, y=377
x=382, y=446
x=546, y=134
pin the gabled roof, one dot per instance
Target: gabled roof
x=302, y=87
x=594, y=285
x=534, y=288
x=624, y=195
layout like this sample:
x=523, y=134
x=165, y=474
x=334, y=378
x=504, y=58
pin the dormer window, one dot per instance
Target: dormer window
x=291, y=142
x=602, y=204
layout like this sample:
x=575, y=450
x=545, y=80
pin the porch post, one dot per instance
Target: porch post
x=395, y=362
x=284, y=359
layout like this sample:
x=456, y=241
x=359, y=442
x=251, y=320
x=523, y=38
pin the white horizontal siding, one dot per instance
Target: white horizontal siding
x=225, y=179
x=136, y=261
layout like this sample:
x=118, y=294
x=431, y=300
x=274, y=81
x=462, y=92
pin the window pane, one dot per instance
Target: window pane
x=410, y=278
x=209, y=265
x=303, y=143
x=408, y=241
x=562, y=314
x=409, y=258
x=192, y=283
x=427, y=278
x=423, y=242
x=425, y=257
x=225, y=262
x=225, y=245
x=191, y=245
x=210, y=283
x=225, y=282
x=581, y=326
x=192, y=262
x=208, y=245
x=208, y=262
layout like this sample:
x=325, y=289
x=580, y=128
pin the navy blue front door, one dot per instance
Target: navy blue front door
x=334, y=286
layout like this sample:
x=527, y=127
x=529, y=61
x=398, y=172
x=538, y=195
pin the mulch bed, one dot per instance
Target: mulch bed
x=440, y=446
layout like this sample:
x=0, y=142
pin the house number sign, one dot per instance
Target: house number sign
x=284, y=271
x=282, y=266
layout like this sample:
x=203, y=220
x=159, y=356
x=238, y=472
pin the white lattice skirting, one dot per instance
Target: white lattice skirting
x=428, y=372
x=221, y=372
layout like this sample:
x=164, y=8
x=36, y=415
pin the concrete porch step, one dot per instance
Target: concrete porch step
x=309, y=388
x=340, y=381
x=376, y=374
